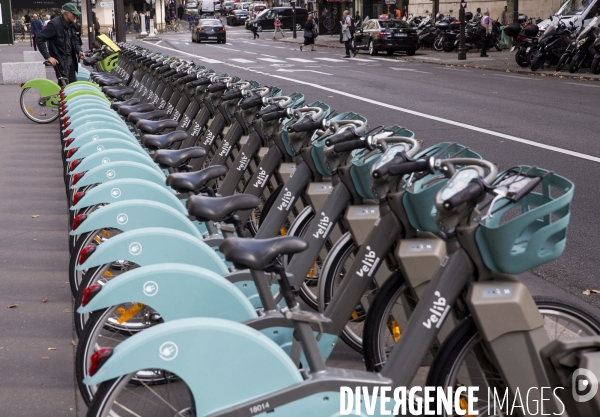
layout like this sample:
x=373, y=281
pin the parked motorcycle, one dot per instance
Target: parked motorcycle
x=475, y=36
x=525, y=41
x=583, y=47
x=553, y=44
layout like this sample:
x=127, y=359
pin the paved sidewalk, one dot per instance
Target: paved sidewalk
x=498, y=61
x=36, y=350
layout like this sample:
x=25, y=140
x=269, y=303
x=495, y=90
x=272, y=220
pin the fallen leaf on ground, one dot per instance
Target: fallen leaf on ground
x=35, y=216
x=588, y=292
x=11, y=306
x=46, y=358
x=74, y=343
x=66, y=310
x=51, y=348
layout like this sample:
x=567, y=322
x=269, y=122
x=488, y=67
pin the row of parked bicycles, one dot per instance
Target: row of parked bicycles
x=225, y=235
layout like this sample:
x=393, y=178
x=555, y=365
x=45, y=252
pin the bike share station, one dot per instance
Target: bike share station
x=225, y=235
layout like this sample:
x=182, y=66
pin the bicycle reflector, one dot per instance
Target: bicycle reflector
x=78, y=220
x=89, y=293
x=66, y=123
x=85, y=253
x=77, y=177
x=68, y=132
x=76, y=197
x=71, y=152
x=98, y=359
x=74, y=164
x=69, y=141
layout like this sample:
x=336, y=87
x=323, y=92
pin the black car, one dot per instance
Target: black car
x=209, y=30
x=237, y=17
x=386, y=35
x=266, y=18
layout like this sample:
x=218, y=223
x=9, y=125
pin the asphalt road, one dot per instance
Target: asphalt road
x=509, y=119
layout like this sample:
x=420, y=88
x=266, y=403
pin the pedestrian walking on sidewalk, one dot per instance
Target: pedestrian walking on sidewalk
x=254, y=28
x=136, y=21
x=347, y=34
x=36, y=29
x=180, y=11
x=504, y=18
x=191, y=21
x=127, y=23
x=62, y=48
x=277, y=25
x=486, y=22
x=309, y=34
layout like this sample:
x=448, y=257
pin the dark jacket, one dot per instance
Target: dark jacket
x=55, y=33
x=36, y=27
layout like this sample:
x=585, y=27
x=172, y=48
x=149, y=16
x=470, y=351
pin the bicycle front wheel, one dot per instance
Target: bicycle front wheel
x=464, y=360
x=36, y=110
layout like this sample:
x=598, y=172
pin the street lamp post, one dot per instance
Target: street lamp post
x=462, y=48
x=294, y=19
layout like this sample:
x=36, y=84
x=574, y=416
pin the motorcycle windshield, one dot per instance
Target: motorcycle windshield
x=593, y=23
x=548, y=34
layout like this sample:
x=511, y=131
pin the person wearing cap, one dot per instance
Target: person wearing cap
x=62, y=47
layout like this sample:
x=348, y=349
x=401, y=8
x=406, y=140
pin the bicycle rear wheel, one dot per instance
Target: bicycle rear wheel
x=33, y=110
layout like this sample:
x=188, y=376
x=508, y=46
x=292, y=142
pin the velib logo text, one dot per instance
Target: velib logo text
x=323, y=226
x=439, y=310
x=286, y=200
x=369, y=263
x=261, y=178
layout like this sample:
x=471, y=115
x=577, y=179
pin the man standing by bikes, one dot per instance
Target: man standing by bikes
x=62, y=48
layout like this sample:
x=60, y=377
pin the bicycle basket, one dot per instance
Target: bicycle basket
x=318, y=146
x=285, y=138
x=363, y=161
x=531, y=232
x=419, y=200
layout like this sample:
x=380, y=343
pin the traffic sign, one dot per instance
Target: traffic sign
x=107, y=4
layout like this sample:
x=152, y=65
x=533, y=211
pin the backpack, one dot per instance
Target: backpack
x=353, y=27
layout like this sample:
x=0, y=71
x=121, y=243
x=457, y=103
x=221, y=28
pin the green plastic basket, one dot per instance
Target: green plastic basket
x=419, y=201
x=363, y=161
x=536, y=229
x=318, y=146
x=285, y=137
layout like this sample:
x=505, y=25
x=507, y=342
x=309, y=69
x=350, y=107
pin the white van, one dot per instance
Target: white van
x=210, y=6
x=580, y=12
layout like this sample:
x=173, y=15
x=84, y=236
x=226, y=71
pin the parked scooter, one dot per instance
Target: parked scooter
x=553, y=44
x=582, y=48
x=525, y=41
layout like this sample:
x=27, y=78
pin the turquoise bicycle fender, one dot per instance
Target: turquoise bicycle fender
x=114, y=155
x=87, y=92
x=137, y=214
x=91, y=100
x=104, y=119
x=216, y=358
x=84, y=105
x=88, y=114
x=98, y=134
x=175, y=291
x=84, y=82
x=83, y=75
x=107, y=123
x=158, y=245
x=70, y=90
x=93, y=147
x=127, y=189
x=120, y=170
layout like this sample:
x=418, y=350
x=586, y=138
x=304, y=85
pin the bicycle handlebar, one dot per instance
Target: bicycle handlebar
x=231, y=95
x=215, y=88
x=305, y=124
x=343, y=136
x=268, y=109
x=409, y=167
x=350, y=145
x=274, y=115
x=252, y=101
x=476, y=188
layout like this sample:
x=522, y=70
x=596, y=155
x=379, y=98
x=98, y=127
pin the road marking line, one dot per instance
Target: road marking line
x=585, y=85
x=330, y=59
x=186, y=43
x=299, y=70
x=269, y=56
x=521, y=77
x=222, y=47
x=408, y=111
x=243, y=61
x=362, y=60
x=301, y=60
x=409, y=70
x=253, y=53
x=270, y=60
